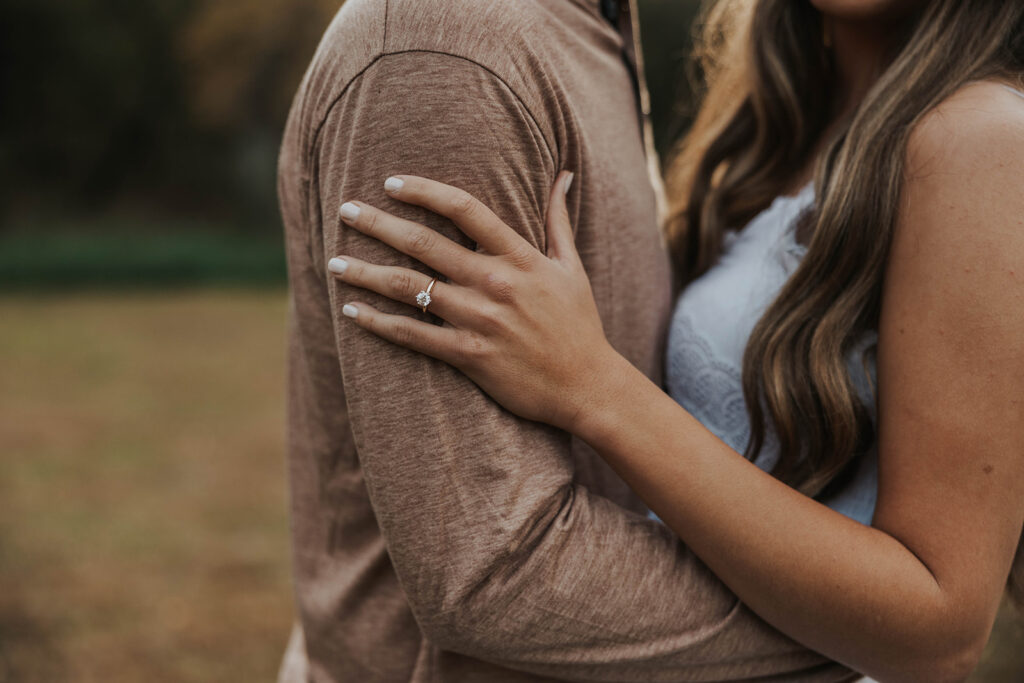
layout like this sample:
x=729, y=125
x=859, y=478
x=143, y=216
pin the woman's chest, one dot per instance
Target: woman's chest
x=716, y=314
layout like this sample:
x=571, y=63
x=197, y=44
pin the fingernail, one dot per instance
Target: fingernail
x=337, y=265
x=393, y=184
x=568, y=182
x=350, y=311
x=349, y=211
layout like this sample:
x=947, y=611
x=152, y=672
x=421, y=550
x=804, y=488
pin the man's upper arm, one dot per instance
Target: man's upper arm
x=501, y=555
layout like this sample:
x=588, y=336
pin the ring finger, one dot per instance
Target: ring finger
x=403, y=285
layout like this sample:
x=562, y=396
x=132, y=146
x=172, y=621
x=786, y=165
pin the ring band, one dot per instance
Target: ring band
x=423, y=298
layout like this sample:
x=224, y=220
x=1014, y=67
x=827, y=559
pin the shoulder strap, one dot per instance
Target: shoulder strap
x=1016, y=92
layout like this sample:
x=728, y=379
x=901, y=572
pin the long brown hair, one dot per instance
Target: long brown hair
x=768, y=104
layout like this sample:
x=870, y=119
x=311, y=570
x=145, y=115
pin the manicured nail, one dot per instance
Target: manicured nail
x=337, y=265
x=350, y=311
x=568, y=182
x=349, y=211
x=393, y=184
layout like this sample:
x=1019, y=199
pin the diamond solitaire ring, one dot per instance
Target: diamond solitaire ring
x=423, y=298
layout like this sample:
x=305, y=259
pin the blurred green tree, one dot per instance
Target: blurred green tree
x=242, y=63
x=243, y=59
x=169, y=107
x=90, y=102
x=172, y=109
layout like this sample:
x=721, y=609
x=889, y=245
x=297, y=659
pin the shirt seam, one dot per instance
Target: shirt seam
x=343, y=91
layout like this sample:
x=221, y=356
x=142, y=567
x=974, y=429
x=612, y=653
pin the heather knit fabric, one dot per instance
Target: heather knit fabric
x=437, y=537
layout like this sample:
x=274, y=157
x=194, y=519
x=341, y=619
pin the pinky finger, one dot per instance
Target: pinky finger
x=435, y=341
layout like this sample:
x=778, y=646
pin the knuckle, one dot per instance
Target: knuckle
x=472, y=348
x=463, y=205
x=356, y=272
x=500, y=289
x=521, y=257
x=420, y=242
x=368, y=321
x=492, y=319
x=400, y=282
x=403, y=333
x=369, y=221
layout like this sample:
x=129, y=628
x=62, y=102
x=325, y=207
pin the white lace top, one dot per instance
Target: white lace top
x=713, y=320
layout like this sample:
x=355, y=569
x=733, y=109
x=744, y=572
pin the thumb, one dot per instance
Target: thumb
x=561, y=241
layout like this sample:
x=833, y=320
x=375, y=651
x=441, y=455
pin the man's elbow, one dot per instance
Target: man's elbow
x=466, y=609
x=452, y=630
x=472, y=618
x=471, y=625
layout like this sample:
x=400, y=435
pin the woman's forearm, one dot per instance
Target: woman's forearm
x=852, y=592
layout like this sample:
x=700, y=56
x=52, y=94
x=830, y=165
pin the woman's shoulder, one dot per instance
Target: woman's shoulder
x=962, y=200
x=979, y=125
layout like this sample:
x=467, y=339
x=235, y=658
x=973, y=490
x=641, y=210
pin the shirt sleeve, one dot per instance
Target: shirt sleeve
x=501, y=555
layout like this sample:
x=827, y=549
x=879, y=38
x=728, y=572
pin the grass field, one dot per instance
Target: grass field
x=143, y=532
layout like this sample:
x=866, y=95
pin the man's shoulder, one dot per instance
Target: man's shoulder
x=511, y=40
x=479, y=30
x=501, y=37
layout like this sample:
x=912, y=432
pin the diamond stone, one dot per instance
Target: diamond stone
x=422, y=299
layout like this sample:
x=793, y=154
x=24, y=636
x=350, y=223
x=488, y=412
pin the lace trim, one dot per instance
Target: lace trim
x=713, y=389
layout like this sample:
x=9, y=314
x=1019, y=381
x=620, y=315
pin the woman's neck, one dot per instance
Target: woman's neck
x=860, y=50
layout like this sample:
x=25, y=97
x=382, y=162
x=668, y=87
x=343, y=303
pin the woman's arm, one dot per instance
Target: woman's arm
x=912, y=598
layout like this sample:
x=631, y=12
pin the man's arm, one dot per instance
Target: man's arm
x=501, y=555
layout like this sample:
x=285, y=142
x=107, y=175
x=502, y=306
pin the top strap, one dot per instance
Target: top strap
x=1016, y=92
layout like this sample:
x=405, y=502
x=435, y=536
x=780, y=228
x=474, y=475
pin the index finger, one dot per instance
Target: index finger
x=468, y=213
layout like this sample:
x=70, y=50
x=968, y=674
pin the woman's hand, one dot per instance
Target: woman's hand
x=521, y=324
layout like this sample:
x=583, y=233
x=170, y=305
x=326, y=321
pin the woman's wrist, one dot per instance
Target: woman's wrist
x=599, y=404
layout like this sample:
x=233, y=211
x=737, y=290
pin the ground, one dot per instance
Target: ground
x=143, y=532
x=143, y=524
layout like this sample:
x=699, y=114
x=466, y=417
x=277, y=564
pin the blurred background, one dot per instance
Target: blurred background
x=143, y=527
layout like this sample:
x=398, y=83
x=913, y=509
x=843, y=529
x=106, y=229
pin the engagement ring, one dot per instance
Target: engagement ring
x=423, y=298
